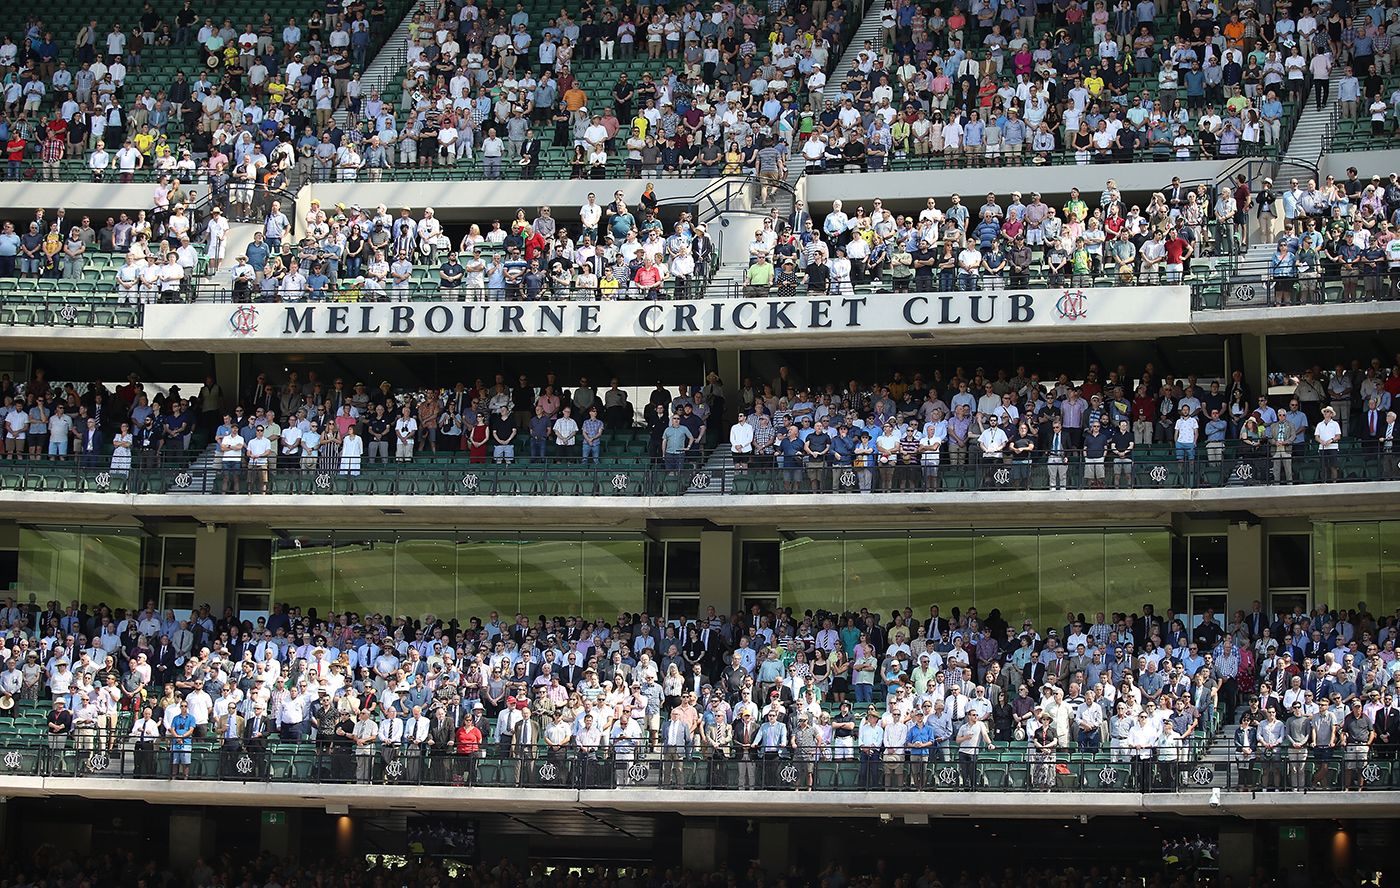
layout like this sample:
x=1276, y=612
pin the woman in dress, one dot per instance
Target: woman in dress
x=121, y=450
x=1042, y=748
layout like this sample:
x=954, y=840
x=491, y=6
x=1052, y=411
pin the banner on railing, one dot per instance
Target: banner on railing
x=761, y=320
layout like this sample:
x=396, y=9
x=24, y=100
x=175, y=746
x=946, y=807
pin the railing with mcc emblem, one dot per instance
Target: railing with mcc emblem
x=1158, y=467
x=703, y=768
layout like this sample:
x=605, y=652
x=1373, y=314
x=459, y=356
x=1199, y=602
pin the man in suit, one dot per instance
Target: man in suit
x=230, y=730
x=1387, y=445
x=256, y=728
x=745, y=737
x=1370, y=425
x=164, y=664
x=1256, y=621
x=530, y=156
x=523, y=741
x=800, y=218
x=935, y=627
x=1387, y=724
x=572, y=674
x=91, y=442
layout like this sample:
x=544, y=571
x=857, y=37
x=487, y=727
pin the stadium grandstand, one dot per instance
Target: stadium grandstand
x=972, y=461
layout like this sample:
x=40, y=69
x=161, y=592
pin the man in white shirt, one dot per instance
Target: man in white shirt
x=405, y=433
x=293, y=286
x=565, y=432
x=1328, y=435
x=1186, y=430
x=231, y=457
x=258, y=451
x=992, y=441
x=741, y=442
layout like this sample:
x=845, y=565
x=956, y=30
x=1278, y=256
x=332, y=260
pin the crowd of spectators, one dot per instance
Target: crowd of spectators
x=1343, y=230
x=901, y=434
x=737, y=89
x=897, y=434
x=897, y=693
x=436, y=871
x=273, y=81
x=1104, y=83
x=723, y=95
x=606, y=251
x=1347, y=231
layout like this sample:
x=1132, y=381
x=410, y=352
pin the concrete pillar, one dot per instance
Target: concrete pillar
x=213, y=567
x=279, y=832
x=226, y=367
x=1245, y=547
x=775, y=846
x=1255, y=364
x=727, y=366
x=704, y=846
x=191, y=836
x=717, y=570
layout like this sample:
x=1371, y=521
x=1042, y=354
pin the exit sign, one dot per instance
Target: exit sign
x=1287, y=833
x=274, y=818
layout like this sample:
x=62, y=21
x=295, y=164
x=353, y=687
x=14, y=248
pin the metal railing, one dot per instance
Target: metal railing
x=68, y=310
x=1326, y=286
x=537, y=470
x=1005, y=768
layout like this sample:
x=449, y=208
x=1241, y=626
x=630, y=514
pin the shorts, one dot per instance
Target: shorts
x=180, y=757
x=1355, y=754
x=654, y=722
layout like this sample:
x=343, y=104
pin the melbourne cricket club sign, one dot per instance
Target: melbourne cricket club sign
x=766, y=320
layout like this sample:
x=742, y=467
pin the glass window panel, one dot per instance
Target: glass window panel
x=1357, y=564
x=1007, y=576
x=940, y=572
x=488, y=578
x=760, y=569
x=178, y=566
x=1289, y=564
x=425, y=578
x=1389, y=599
x=813, y=575
x=111, y=572
x=549, y=578
x=877, y=574
x=1071, y=576
x=1209, y=565
x=1324, y=564
x=253, y=569
x=152, y=551
x=302, y=571
x=612, y=577
x=1137, y=570
x=48, y=565
x=363, y=575
x=682, y=568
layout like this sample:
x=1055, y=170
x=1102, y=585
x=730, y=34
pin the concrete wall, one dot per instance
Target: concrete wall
x=1367, y=163
x=894, y=187
x=475, y=199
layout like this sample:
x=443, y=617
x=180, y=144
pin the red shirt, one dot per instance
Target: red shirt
x=648, y=276
x=1176, y=250
x=15, y=148
x=1144, y=409
x=468, y=739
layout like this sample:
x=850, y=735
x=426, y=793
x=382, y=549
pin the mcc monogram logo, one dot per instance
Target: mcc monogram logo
x=1072, y=305
x=244, y=320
